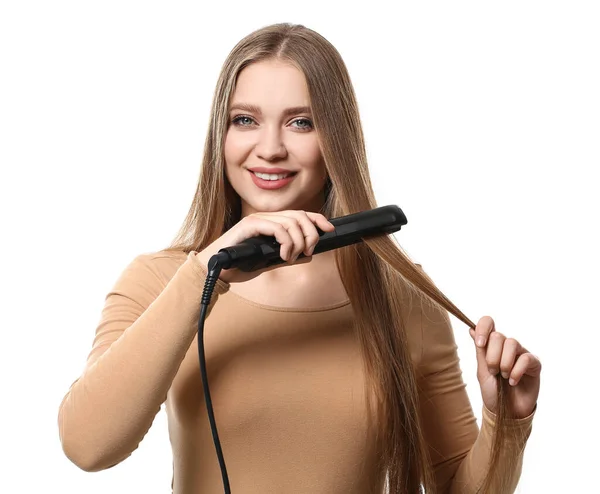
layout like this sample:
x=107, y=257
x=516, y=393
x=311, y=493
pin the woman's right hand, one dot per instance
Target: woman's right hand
x=294, y=230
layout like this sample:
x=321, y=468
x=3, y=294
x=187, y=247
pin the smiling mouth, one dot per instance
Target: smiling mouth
x=277, y=176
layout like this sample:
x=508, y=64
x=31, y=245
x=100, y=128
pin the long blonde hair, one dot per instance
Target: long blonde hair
x=376, y=273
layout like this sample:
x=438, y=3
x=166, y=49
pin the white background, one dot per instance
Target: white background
x=482, y=124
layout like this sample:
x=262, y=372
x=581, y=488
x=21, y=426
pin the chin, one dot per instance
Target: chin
x=272, y=202
x=271, y=206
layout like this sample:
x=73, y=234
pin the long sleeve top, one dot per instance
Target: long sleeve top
x=287, y=388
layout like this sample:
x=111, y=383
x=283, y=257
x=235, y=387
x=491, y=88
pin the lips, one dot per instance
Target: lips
x=287, y=174
x=271, y=184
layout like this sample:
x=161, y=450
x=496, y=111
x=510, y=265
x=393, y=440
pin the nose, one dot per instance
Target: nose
x=270, y=145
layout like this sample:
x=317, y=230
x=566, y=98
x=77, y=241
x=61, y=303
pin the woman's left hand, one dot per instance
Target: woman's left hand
x=499, y=357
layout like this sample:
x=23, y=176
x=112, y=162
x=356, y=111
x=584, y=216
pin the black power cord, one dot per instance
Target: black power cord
x=215, y=264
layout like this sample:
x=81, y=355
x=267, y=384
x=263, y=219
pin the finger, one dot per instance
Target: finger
x=321, y=221
x=483, y=329
x=309, y=222
x=263, y=226
x=480, y=353
x=526, y=364
x=512, y=349
x=493, y=352
x=309, y=231
x=295, y=230
x=318, y=221
x=290, y=223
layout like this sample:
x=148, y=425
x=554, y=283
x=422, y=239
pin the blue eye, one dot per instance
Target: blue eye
x=238, y=121
x=304, y=120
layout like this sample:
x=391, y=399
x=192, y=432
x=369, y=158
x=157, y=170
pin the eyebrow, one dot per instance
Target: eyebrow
x=255, y=109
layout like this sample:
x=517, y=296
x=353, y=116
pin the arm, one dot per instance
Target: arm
x=145, y=330
x=459, y=450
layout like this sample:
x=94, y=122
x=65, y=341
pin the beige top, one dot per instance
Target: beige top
x=286, y=385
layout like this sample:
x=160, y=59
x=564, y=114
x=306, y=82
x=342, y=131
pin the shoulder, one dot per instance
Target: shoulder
x=149, y=272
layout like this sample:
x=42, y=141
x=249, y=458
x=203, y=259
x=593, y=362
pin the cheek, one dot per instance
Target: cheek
x=311, y=156
x=236, y=147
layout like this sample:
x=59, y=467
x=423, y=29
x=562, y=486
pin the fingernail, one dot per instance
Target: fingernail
x=493, y=372
x=505, y=375
x=310, y=250
x=512, y=382
x=481, y=341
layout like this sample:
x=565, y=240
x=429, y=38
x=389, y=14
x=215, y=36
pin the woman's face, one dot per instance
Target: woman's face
x=269, y=130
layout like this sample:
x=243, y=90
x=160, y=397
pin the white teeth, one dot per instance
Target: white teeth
x=271, y=176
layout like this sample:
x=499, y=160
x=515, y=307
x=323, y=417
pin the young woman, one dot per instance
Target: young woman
x=328, y=374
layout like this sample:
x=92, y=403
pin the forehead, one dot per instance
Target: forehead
x=272, y=85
